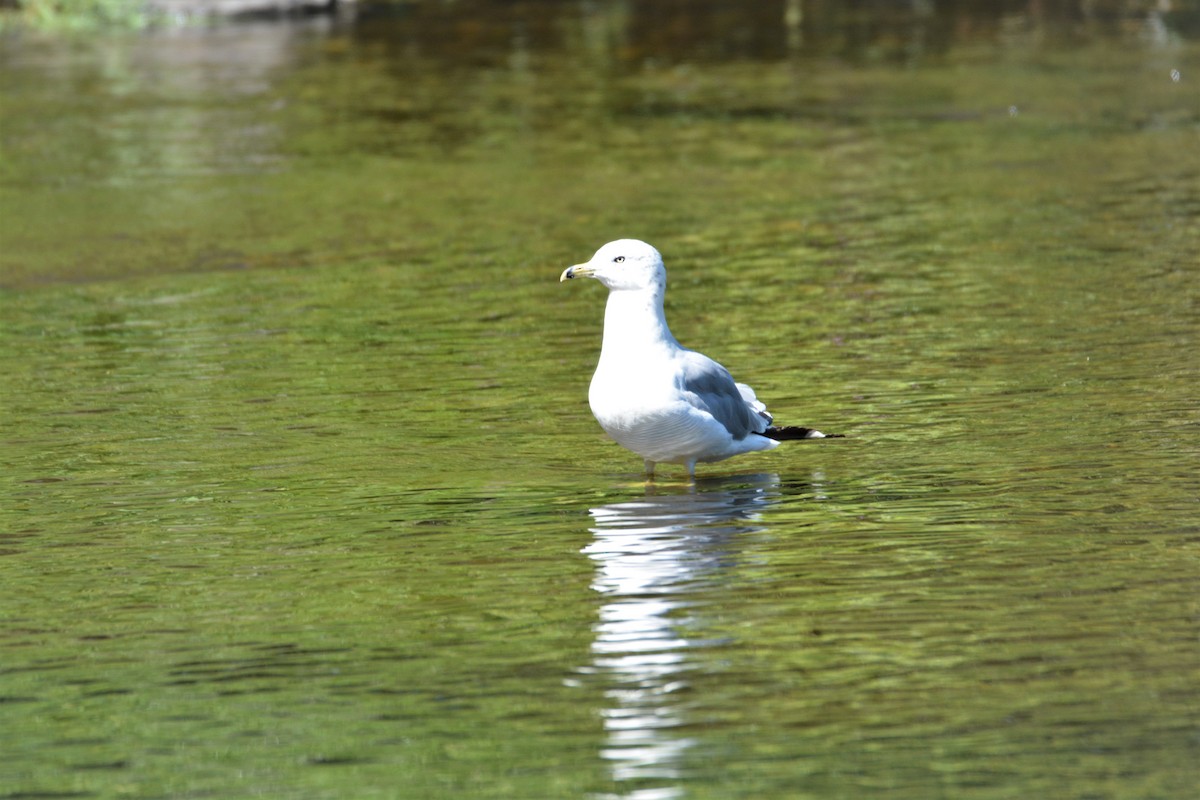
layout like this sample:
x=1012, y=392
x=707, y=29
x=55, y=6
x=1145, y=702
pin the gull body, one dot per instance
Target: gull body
x=653, y=396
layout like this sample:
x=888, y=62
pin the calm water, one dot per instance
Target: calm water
x=302, y=498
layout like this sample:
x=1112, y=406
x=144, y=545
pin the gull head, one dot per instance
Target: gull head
x=624, y=264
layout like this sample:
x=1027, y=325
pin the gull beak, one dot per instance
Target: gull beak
x=577, y=271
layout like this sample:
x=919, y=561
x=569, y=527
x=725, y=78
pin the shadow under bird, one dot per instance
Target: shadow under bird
x=655, y=397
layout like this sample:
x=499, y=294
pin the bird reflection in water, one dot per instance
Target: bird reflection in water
x=655, y=557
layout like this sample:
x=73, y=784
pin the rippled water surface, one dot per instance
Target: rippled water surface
x=302, y=497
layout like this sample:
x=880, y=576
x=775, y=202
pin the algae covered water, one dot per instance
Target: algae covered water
x=301, y=493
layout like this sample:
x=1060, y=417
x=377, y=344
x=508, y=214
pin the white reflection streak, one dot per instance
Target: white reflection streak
x=651, y=557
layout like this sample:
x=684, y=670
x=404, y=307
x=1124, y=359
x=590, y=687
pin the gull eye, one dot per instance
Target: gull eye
x=619, y=259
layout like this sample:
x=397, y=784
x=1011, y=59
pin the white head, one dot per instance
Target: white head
x=623, y=264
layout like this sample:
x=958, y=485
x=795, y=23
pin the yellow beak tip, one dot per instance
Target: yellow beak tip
x=572, y=272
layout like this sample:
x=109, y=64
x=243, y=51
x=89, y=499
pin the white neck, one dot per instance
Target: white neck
x=634, y=321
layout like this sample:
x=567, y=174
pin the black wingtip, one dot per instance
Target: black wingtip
x=786, y=433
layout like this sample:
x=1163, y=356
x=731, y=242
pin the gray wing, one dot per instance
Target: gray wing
x=710, y=387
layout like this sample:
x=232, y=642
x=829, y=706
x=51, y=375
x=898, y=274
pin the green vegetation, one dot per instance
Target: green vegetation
x=77, y=14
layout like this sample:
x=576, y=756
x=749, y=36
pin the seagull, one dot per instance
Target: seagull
x=666, y=403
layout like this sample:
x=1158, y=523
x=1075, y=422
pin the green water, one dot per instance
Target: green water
x=302, y=498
